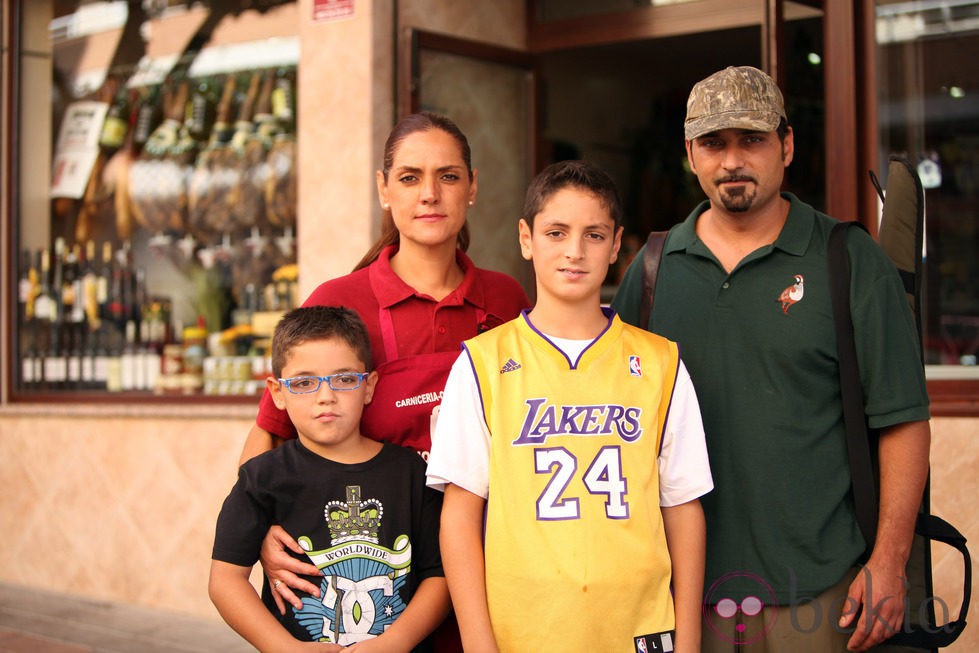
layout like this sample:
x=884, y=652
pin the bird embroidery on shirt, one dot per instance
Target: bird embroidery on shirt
x=792, y=294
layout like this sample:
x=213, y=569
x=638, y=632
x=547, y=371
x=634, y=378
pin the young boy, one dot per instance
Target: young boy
x=360, y=508
x=553, y=424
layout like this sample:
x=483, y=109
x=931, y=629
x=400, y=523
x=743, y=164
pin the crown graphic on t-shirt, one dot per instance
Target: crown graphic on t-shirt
x=354, y=519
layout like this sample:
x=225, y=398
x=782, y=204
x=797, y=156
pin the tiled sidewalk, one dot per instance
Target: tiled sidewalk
x=38, y=621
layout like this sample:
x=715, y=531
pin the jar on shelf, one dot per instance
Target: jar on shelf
x=195, y=351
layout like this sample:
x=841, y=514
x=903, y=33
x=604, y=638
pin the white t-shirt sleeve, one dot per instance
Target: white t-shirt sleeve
x=684, y=471
x=460, y=440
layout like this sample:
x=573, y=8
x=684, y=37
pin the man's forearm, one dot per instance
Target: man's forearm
x=903, y=451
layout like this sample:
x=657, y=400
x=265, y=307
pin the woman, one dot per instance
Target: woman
x=416, y=290
x=420, y=297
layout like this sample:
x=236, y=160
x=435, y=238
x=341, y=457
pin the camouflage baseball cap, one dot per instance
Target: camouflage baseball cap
x=739, y=97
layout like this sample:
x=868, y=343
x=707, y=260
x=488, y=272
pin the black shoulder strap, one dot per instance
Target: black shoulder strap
x=854, y=418
x=932, y=635
x=929, y=635
x=651, y=257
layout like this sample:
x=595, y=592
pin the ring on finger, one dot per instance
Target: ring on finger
x=276, y=584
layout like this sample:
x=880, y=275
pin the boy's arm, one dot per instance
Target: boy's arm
x=243, y=610
x=461, y=537
x=687, y=541
x=424, y=612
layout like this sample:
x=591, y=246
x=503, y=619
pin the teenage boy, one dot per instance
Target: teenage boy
x=361, y=509
x=581, y=439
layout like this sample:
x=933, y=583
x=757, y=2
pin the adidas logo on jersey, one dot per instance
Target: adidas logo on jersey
x=510, y=366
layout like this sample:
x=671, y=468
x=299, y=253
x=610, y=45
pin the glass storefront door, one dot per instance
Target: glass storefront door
x=929, y=112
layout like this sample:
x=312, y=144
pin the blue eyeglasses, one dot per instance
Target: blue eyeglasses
x=302, y=385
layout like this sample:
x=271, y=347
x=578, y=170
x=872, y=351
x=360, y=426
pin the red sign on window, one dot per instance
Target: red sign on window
x=332, y=9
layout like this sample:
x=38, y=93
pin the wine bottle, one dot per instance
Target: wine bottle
x=103, y=282
x=55, y=367
x=45, y=306
x=160, y=337
x=72, y=351
x=58, y=280
x=200, y=111
x=127, y=360
x=31, y=360
x=86, y=339
x=67, y=290
x=141, y=357
x=25, y=289
x=113, y=360
x=150, y=353
x=120, y=288
x=116, y=123
x=74, y=285
x=89, y=288
x=100, y=356
x=148, y=117
x=284, y=100
x=140, y=300
x=140, y=334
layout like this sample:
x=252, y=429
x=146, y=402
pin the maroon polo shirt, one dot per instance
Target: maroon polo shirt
x=422, y=325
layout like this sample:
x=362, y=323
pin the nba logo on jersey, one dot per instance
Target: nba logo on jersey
x=635, y=367
x=655, y=643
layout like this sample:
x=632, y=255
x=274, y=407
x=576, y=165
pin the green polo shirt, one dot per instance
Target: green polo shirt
x=766, y=376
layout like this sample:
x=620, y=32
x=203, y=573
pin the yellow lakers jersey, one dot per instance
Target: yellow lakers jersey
x=576, y=555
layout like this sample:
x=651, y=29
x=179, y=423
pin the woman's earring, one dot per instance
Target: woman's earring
x=385, y=206
x=471, y=202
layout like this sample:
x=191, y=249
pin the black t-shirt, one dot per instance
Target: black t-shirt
x=371, y=528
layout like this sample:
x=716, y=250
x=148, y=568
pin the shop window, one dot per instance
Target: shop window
x=929, y=112
x=156, y=226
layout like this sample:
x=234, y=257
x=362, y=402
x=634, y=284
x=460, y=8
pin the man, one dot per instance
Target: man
x=743, y=288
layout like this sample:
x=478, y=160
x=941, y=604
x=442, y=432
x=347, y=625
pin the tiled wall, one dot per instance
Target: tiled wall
x=119, y=508
x=954, y=488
